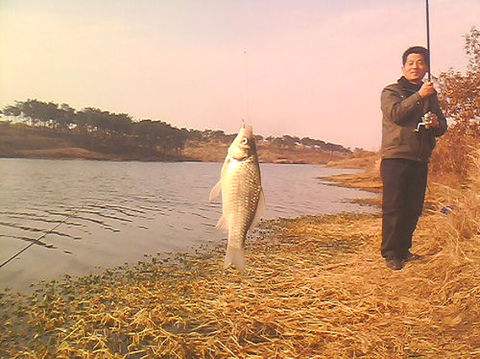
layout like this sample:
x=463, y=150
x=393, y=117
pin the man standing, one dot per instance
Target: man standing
x=406, y=150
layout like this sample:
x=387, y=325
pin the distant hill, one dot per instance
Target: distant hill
x=268, y=151
x=37, y=129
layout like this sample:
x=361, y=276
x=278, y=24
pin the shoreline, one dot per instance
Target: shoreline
x=101, y=157
x=154, y=160
x=97, y=248
x=314, y=286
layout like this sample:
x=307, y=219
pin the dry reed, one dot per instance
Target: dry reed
x=315, y=287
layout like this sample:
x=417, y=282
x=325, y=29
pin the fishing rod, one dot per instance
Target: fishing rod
x=36, y=241
x=427, y=13
x=246, y=84
x=426, y=118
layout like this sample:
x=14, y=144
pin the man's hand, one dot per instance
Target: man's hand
x=427, y=89
x=433, y=121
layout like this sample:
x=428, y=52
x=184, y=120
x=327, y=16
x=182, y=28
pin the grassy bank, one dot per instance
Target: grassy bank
x=314, y=287
x=216, y=151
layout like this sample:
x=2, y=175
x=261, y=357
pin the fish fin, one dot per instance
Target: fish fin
x=225, y=165
x=222, y=224
x=235, y=257
x=217, y=189
x=215, y=192
x=260, y=208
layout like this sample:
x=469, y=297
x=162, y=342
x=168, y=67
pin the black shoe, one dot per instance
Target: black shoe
x=394, y=263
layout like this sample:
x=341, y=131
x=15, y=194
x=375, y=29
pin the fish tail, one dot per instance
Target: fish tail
x=235, y=257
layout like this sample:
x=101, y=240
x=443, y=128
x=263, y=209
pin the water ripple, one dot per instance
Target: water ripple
x=103, y=204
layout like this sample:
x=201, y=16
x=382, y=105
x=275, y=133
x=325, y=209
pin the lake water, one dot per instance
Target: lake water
x=91, y=214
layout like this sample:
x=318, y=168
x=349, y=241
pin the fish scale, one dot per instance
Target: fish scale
x=242, y=195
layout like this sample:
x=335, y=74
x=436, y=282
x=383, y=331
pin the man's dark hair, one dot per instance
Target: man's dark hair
x=416, y=50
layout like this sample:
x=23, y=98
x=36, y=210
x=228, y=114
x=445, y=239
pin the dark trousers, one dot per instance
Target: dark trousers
x=404, y=185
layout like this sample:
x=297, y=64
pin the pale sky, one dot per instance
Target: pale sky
x=305, y=67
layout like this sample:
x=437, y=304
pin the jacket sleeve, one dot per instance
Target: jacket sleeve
x=440, y=130
x=397, y=108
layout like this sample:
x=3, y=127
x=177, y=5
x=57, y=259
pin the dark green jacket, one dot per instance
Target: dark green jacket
x=402, y=111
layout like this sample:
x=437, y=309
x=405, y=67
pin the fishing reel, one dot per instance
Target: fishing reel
x=426, y=122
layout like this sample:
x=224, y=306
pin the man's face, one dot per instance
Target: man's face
x=415, y=68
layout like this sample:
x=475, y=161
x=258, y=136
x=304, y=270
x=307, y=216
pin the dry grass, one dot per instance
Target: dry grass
x=368, y=180
x=314, y=287
x=366, y=161
x=453, y=158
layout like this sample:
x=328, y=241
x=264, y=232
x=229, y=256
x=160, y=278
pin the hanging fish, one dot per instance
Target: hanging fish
x=243, y=202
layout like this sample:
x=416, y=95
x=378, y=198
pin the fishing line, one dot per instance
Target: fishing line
x=39, y=238
x=246, y=100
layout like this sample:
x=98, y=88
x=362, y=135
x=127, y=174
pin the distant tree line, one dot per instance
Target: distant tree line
x=118, y=133
x=286, y=141
x=101, y=131
x=292, y=141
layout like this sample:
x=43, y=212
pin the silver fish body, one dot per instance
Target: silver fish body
x=242, y=195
